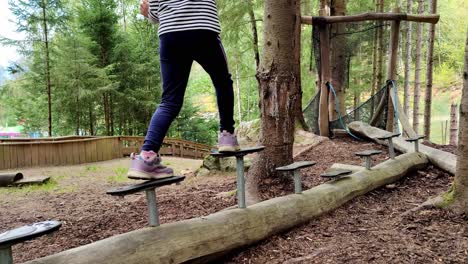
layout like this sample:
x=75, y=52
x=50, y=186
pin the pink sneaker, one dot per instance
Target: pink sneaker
x=227, y=142
x=148, y=166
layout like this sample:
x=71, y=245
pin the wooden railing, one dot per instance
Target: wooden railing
x=21, y=153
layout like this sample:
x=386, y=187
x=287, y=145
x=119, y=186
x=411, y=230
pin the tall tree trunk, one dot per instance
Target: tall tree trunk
x=380, y=47
x=417, y=74
x=408, y=60
x=453, y=124
x=374, y=66
x=91, y=120
x=338, y=63
x=461, y=177
x=124, y=15
x=357, y=102
x=279, y=94
x=429, y=74
x=253, y=23
x=111, y=114
x=105, y=98
x=47, y=66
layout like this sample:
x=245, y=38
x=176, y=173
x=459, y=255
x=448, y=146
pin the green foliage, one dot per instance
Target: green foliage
x=192, y=126
x=105, y=64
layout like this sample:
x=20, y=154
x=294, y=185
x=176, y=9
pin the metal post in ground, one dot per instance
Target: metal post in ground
x=152, y=207
x=240, y=182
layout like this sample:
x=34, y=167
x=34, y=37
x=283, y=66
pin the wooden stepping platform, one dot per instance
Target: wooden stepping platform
x=336, y=174
x=240, y=182
x=389, y=136
x=149, y=187
x=28, y=232
x=368, y=153
x=22, y=234
x=152, y=184
x=297, y=165
x=240, y=153
x=416, y=138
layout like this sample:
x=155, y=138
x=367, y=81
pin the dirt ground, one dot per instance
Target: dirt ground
x=370, y=229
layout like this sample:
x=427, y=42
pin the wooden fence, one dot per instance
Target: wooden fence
x=21, y=153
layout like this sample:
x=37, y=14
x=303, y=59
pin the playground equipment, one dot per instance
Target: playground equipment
x=368, y=156
x=444, y=160
x=240, y=169
x=149, y=187
x=389, y=138
x=296, y=167
x=22, y=234
x=415, y=140
x=199, y=238
x=324, y=103
x=336, y=174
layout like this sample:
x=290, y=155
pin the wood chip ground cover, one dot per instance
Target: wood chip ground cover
x=369, y=229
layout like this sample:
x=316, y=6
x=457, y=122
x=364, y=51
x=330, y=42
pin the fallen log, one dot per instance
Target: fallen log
x=442, y=159
x=195, y=239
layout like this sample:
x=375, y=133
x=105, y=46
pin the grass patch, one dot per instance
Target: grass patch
x=93, y=168
x=120, y=175
x=50, y=186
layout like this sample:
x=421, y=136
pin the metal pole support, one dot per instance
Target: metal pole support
x=6, y=255
x=152, y=207
x=416, y=146
x=297, y=182
x=368, y=162
x=240, y=182
x=391, y=148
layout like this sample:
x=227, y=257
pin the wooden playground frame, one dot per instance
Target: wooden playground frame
x=327, y=100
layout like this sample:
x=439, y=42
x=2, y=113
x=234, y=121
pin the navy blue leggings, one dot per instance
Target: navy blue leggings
x=177, y=51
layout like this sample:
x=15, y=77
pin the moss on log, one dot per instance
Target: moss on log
x=197, y=238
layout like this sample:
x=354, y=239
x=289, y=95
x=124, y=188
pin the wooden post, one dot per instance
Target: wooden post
x=325, y=70
x=392, y=67
x=453, y=124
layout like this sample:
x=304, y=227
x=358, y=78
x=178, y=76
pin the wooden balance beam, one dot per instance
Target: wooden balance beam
x=197, y=238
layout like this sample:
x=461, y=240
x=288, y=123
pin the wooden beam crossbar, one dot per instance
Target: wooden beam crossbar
x=317, y=20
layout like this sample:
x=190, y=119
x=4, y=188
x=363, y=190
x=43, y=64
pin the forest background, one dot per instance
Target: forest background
x=91, y=67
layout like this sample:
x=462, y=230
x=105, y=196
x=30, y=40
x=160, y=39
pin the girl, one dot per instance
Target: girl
x=188, y=31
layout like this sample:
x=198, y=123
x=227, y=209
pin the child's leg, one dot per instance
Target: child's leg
x=175, y=70
x=211, y=56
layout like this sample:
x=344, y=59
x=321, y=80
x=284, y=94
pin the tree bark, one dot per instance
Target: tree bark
x=195, y=239
x=408, y=60
x=47, y=65
x=279, y=94
x=392, y=68
x=380, y=46
x=253, y=23
x=417, y=74
x=460, y=187
x=338, y=61
x=429, y=74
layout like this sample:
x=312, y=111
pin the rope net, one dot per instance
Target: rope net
x=364, y=46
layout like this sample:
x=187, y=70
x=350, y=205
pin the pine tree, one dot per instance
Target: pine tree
x=38, y=18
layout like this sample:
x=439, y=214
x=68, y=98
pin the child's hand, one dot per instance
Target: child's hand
x=144, y=8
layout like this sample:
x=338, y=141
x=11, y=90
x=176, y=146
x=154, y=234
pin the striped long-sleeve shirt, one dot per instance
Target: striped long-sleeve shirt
x=180, y=15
